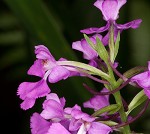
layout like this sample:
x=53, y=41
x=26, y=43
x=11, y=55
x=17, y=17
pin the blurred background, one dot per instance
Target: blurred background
x=56, y=24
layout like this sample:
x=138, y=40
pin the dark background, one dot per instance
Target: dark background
x=26, y=23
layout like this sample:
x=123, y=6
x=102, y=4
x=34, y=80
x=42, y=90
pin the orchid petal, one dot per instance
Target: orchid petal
x=57, y=128
x=93, y=30
x=99, y=128
x=133, y=24
x=38, y=124
x=37, y=69
x=143, y=80
x=58, y=73
x=32, y=90
x=109, y=8
x=97, y=102
x=52, y=109
x=43, y=53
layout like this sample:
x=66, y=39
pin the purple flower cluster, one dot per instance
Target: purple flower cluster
x=55, y=117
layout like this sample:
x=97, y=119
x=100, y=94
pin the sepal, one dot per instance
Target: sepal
x=136, y=101
x=111, y=109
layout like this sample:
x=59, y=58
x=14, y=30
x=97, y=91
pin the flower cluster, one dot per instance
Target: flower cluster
x=55, y=118
x=100, y=51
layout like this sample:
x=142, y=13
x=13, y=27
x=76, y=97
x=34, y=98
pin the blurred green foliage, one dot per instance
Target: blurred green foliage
x=56, y=24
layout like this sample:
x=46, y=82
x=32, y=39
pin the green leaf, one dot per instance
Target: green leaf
x=117, y=45
x=137, y=100
x=87, y=67
x=89, y=41
x=101, y=50
x=111, y=109
x=111, y=44
x=109, y=123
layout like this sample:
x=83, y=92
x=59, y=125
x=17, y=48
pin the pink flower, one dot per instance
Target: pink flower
x=97, y=102
x=47, y=68
x=83, y=46
x=110, y=10
x=38, y=124
x=84, y=123
x=53, y=107
x=143, y=80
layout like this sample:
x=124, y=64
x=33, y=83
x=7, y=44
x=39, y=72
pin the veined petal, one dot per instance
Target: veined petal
x=57, y=128
x=99, y=128
x=29, y=91
x=143, y=79
x=133, y=24
x=33, y=89
x=58, y=73
x=52, y=109
x=93, y=30
x=78, y=114
x=97, y=102
x=27, y=103
x=43, y=53
x=53, y=96
x=109, y=8
x=83, y=46
x=38, y=124
x=75, y=124
x=37, y=69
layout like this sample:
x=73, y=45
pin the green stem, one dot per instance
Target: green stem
x=92, y=69
x=126, y=129
x=114, y=84
x=111, y=44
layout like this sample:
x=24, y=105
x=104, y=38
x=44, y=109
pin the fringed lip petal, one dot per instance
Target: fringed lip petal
x=30, y=91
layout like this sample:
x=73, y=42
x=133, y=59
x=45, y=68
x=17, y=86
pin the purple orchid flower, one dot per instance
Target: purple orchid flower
x=143, y=80
x=84, y=123
x=45, y=67
x=54, y=118
x=53, y=107
x=41, y=126
x=88, y=52
x=83, y=46
x=97, y=102
x=110, y=10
